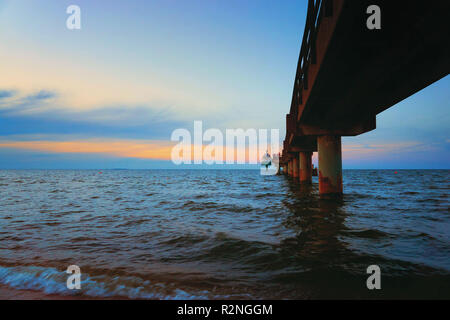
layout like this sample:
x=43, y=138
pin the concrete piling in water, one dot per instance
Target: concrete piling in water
x=305, y=159
x=330, y=165
x=295, y=167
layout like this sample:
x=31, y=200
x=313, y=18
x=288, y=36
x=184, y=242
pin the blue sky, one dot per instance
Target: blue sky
x=137, y=70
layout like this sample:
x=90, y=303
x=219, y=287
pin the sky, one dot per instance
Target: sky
x=110, y=94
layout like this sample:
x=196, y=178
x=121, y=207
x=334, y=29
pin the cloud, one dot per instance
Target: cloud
x=128, y=148
x=382, y=149
x=14, y=103
x=41, y=112
x=6, y=94
x=141, y=149
x=41, y=95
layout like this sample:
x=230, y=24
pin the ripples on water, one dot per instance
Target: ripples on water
x=225, y=234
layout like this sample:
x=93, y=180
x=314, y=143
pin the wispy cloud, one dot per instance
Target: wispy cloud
x=42, y=112
x=117, y=148
x=377, y=150
x=126, y=148
x=6, y=94
x=15, y=102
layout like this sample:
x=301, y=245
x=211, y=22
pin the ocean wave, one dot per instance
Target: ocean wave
x=52, y=281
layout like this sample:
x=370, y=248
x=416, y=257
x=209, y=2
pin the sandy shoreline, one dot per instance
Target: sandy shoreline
x=8, y=293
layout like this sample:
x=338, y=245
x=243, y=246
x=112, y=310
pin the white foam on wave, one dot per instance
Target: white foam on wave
x=53, y=281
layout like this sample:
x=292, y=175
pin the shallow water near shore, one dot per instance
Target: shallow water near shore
x=224, y=234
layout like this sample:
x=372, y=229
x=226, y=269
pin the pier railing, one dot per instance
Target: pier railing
x=317, y=9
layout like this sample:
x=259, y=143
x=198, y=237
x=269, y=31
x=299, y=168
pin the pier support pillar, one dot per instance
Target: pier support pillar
x=330, y=165
x=289, y=168
x=305, y=158
x=295, y=167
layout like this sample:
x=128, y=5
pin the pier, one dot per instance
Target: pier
x=348, y=72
